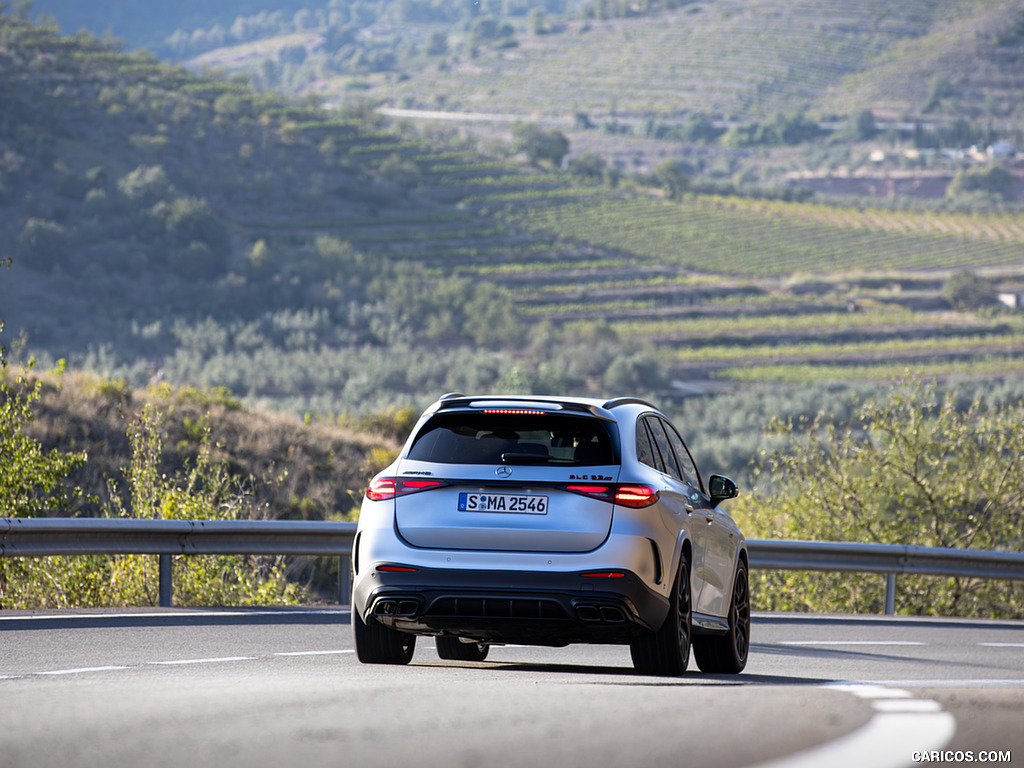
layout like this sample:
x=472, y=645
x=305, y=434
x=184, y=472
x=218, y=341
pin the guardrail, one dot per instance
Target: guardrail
x=39, y=536
x=890, y=559
x=34, y=537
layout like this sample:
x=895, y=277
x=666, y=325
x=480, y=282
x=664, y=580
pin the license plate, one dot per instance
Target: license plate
x=503, y=502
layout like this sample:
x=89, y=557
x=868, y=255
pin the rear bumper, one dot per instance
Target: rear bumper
x=530, y=607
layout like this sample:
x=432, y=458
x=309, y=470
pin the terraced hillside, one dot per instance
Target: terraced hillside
x=729, y=59
x=641, y=83
x=188, y=229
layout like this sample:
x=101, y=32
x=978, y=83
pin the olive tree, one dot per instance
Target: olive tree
x=966, y=290
x=539, y=145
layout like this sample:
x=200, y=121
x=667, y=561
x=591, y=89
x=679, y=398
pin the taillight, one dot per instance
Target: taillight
x=383, y=488
x=633, y=496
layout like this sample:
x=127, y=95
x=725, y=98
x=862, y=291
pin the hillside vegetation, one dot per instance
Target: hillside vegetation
x=74, y=444
x=187, y=229
x=726, y=58
x=638, y=82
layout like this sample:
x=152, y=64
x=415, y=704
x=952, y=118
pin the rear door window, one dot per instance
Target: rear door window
x=689, y=469
x=664, y=447
x=645, y=451
x=479, y=438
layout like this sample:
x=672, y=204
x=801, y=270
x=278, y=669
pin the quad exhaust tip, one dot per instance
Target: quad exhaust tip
x=600, y=613
x=612, y=615
x=401, y=608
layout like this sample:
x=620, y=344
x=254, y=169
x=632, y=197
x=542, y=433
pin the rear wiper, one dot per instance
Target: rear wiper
x=524, y=458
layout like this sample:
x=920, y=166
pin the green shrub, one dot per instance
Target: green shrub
x=911, y=468
x=32, y=482
x=990, y=179
x=146, y=184
x=202, y=490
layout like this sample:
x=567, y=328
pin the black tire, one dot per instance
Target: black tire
x=377, y=644
x=453, y=649
x=727, y=654
x=666, y=652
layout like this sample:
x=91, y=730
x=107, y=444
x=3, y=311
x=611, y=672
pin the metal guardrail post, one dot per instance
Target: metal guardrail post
x=166, y=582
x=344, y=580
x=890, y=594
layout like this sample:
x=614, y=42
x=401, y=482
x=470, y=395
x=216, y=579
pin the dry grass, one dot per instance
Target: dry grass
x=294, y=470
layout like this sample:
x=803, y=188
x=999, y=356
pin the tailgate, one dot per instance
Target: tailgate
x=528, y=514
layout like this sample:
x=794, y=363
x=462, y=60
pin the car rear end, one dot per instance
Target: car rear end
x=509, y=520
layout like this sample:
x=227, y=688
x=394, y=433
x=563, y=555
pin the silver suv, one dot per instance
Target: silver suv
x=550, y=521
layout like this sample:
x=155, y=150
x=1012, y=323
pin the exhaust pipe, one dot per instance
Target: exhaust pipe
x=588, y=613
x=611, y=614
x=405, y=609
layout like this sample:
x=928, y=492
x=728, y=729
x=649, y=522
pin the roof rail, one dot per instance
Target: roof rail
x=450, y=395
x=617, y=401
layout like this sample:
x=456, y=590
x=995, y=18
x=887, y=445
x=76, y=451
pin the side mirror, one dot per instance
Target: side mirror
x=721, y=488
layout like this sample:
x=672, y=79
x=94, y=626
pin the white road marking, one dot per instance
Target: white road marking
x=314, y=653
x=850, y=642
x=954, y=683
x=1002, y=645
x=204, y=661
x=168, y=663
x=901, y=725
x=868, y=690
x=81, y=670
x=172, y=614
x=907, y=705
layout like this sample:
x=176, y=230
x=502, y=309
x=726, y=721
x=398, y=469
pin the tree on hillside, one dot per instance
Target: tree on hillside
x=860, y=127
x=672, y=179
x=588, y=165
x=966, y=290
x=146, y=184
x=437, y=44
x=990, y=179
x=201, y=238
x=539, y=145
x=487, y=30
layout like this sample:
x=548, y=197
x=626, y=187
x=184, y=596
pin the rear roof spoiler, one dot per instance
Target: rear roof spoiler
x=458, y=401
x=627, y=401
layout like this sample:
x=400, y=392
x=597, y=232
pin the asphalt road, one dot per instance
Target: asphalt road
x=269, y=688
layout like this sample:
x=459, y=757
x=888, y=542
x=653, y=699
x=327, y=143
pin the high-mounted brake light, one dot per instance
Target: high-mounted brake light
x=632, y=496
x=515, y=406
x=383, y=488
x=514, y=412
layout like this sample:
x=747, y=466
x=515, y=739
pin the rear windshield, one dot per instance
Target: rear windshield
x=479, y=438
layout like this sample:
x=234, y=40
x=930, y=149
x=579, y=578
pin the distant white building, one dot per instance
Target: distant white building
x=1013, y=299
